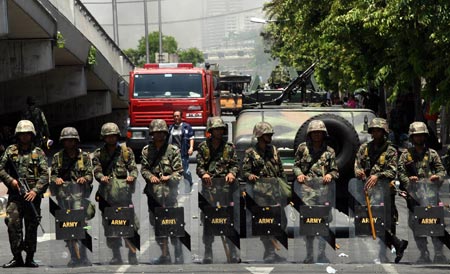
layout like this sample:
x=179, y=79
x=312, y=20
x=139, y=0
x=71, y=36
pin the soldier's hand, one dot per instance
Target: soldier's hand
x=434, y=178
x=207, y=179
x=413, y=179
x=327, y=179
x=81, y=180
x=230, y=178
x=301, y=178
x=105, y=180
x=190, y=151
x=15, y=184
x=371, y=181
x=59, y=181
x=154, y=180
x=130, y=179
x=252, y=177
x=29, y=196
x=360, y=174
x=165, y=178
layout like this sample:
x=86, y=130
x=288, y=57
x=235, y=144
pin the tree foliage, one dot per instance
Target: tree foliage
x=191, y=55
x=169, y=45
x=401, y=45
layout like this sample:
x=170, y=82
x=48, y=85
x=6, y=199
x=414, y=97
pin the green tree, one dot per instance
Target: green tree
x=191, y=55
x=400, y=45
x=137, y=56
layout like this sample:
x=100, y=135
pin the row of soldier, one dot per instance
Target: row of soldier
x=113, y=166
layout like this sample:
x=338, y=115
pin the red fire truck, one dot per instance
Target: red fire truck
x=157, y=90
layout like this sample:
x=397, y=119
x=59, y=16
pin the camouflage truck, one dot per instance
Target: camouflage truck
x=347, y=129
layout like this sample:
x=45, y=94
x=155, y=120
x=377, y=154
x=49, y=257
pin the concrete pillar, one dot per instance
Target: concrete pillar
x=21, y=58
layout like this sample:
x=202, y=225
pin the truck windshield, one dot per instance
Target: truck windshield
x=169, y=85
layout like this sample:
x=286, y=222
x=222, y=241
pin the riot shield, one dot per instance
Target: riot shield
x=428, y=204
x=119, y=240
x=218, y=231
x=370, y=223
x=71, y=211
x=263, y=222
x=169, y=237
x=314, y=234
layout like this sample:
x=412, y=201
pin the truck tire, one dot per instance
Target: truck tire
x=342, y=138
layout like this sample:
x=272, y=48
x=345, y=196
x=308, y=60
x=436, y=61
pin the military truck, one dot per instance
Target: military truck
x=347, y=129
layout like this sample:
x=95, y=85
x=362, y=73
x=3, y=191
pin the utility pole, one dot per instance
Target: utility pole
x=115, y=22
x=147, y=59
x=160, y=32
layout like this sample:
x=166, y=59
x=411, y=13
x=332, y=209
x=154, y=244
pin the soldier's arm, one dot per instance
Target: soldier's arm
x=333, y=168
x=298, y=160
x=390, y=168
x=131, y=165
x=4, y=176
x=145, y=165
x=43, y=181
x=201, y=168
x=438, y=167
x=402, y=173
x=177, y=165
x=45, y=125
x=87, y=173
x=97, y=166
x=233, y=165
x=55, y=170
x=358, y=159
x=247, y=165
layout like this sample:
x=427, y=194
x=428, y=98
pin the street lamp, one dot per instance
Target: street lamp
x=261, y=20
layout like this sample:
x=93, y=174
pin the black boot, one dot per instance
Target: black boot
x=29, y=262
x=270, y=256
x=165, y=254
x=178, y=250
x=84, y=261
x=117, y=257
x=309, y=240
x=208, y=258
x=399, y=250
x=17, y=261
x=73, y=255
x=424, y=257
x=322, y=257
x=234, y=258
x=132, y=258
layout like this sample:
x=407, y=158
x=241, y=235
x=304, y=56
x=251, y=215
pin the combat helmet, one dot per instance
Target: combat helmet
x=262, y=128
x=25, y=126
x=69, y=133
x=418, y=128
x=109, y=129
x=216, y=122
x=316, y=125
x=379, y=123
x=158, y=125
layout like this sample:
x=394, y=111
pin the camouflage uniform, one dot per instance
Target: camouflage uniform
x=217, y=163
x=422, y=165
x=315, y=165
x=31, y=165
x=117, y=193
x=37, y=117
x=380, y=161
x=265, y=164
x=158, y=163
x=71, y=194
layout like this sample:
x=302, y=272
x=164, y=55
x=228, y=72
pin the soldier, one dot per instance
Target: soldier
x=162, y=170
x=419, y=163
x=37, y=117
x=376, y=167
x=262, y=160
x=23, y=162
x=314, y=159
x=71, y=183
x=217, y=159
x=116, y=171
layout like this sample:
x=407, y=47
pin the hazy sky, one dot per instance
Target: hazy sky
x=181, y=19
